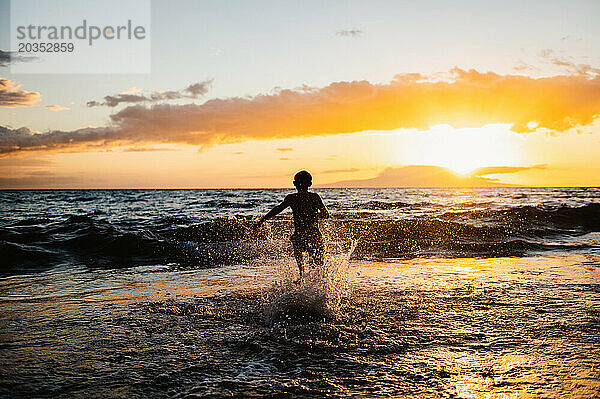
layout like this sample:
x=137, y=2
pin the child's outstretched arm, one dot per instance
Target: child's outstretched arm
x=276, y=210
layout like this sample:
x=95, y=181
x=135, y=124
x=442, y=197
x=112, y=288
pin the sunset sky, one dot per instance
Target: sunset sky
x=419, y=93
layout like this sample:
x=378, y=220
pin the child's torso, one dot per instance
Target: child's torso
x=305, y=208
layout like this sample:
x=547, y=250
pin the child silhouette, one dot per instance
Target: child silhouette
x=307, y=208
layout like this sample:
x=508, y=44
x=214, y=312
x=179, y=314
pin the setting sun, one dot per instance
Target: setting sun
x=461, y=150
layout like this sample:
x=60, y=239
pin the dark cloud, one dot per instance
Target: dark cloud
x=349, y=32
x=11, y=57
x=193, y=91
x=198, y=89
x=166, y=95
x=113, y=101
x=16, y=141
x=11, y=95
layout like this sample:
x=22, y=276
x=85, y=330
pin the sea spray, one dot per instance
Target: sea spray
x=317, y=295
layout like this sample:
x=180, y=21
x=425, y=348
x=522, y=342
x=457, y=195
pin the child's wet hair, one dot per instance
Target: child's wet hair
x=303, y=179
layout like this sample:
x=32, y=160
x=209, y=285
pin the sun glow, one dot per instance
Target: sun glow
x=461, y=150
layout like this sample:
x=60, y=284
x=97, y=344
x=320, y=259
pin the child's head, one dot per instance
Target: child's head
x=302, y=180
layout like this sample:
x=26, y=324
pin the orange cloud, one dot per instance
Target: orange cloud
x=467, y=99
x=349, y=170
x=147, y=149
x=12, y=96
x=56, y=108
x=569, y=65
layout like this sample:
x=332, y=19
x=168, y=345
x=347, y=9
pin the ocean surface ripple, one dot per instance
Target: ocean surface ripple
x=211, y=228
x=462, y=293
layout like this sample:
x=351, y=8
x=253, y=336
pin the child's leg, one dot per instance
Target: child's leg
x=317, y=252
x=319, y=257
x=297, y=243
x=299, y=260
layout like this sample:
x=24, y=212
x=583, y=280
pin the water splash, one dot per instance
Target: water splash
x=315, y=296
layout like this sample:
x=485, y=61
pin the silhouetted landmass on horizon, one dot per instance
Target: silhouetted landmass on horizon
x=418, y=176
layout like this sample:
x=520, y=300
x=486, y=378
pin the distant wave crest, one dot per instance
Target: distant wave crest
x=92, y=241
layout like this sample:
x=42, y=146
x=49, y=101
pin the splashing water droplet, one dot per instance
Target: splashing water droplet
x=315, y=296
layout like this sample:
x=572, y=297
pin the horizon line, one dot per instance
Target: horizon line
x=283, y=188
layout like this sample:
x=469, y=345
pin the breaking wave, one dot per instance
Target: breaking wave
x=95, y=241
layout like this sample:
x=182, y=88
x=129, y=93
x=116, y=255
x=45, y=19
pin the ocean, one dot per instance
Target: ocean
x=432, y=293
